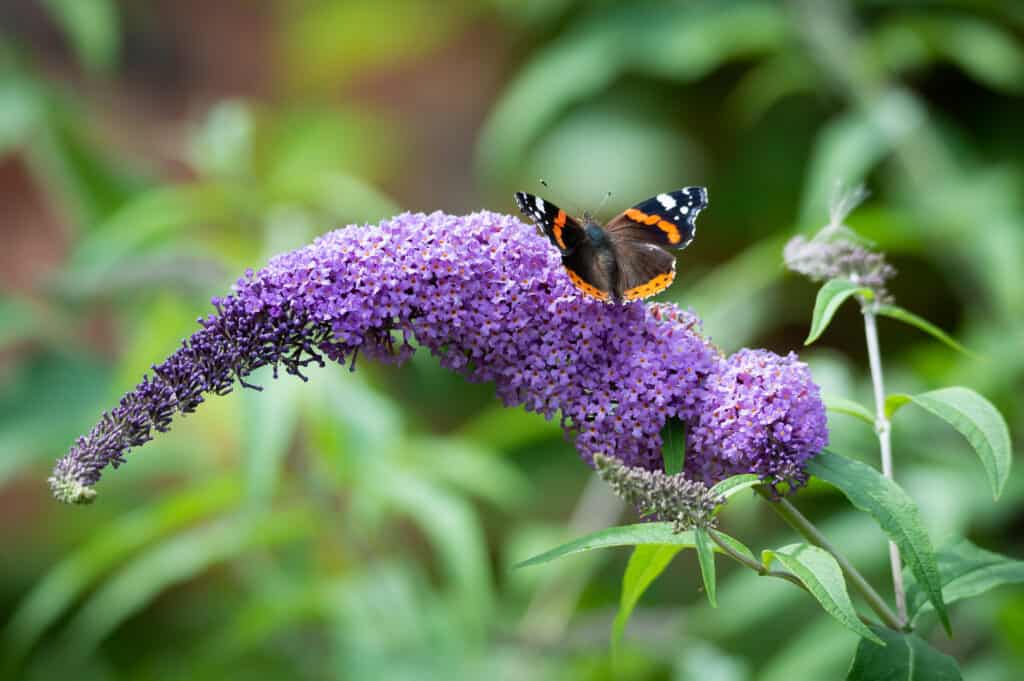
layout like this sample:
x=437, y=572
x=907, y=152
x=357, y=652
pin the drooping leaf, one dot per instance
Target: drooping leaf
x=822, y=576
x=841, y=405
x=978, y=421
x=174, y=561
x=966, y=571
x=70, y=578
x=907, y=317
x=706, y=559
x=830, y=297
x=893, y=510
x=630, y=535
x=647, y=562
x=905, y=657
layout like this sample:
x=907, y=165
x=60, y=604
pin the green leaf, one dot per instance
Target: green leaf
x=966, y=571
x=893, y=510
x=737, y=483
x=177, y=560
x=706, y=558
x=271, y=418
x=673, y=448
x=894, y=402
x=841, y=405
x=830, y=297
x=65, y=583
x=907, y=317
x=905, y=657
x=647, y=562
x=980, y=422
x=631, y=535
x=93, y=28
x=822, y=576
x=585, y=61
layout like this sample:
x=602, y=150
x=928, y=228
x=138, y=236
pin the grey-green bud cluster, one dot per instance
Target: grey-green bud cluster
x=685, y=503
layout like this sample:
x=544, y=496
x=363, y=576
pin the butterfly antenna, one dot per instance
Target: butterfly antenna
x=607, y=196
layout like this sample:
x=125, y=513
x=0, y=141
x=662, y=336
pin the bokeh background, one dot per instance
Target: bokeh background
x=364, y=525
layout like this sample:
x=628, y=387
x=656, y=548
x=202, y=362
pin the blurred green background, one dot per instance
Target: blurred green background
x=363, y=526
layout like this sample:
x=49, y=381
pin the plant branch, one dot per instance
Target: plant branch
x=808, y=531
x=755, y=565
x=883, y=428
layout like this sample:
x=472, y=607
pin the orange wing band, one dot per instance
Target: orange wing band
x=644, y=219
x=655, y=285
x=558, y=225
x=589, y=289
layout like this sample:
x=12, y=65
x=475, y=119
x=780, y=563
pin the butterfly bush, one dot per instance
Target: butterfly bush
x=487, y=295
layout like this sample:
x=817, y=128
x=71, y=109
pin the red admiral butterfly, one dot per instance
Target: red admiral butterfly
x=628, y=258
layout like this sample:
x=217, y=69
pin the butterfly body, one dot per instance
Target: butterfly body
x=629, y=258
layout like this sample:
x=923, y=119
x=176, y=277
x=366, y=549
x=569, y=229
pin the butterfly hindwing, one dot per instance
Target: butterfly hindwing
x=564, y=231
x=644, y=269
x=591, y=271
x=669, y=219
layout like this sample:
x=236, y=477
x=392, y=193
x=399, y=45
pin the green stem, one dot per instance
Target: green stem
x=799, y=522
x=754, y=565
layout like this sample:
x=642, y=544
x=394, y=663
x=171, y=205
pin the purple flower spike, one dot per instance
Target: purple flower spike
x=763, y=414
x=484, y=292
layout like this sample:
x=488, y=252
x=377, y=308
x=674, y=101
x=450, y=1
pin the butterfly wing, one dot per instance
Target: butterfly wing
x=591, y=270
x=644, y=269
x=564, y=231
x=668, y=220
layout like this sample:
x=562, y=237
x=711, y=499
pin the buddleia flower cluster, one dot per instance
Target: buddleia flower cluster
x=835, y=252
x=483, y=292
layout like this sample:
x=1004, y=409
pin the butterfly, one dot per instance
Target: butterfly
x=630, y=257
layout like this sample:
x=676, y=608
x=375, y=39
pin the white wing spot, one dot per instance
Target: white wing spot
x=684, y=210
x=540, y=205
x=667, y=202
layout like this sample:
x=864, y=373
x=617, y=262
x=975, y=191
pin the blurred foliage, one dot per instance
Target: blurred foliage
x=362, y=527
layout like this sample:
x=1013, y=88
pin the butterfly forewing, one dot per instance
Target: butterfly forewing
x=564, y=231
x=668, y=220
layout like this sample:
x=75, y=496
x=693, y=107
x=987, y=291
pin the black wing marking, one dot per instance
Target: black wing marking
x=564, y=231
x=669, y=220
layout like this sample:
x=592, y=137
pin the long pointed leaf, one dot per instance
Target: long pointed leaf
x=823, y=577
x=893, y=510
x=647, y=562
x=830, y=297
x=907, y=317
x=978, y=421
x=706, y=559
x=905, y=657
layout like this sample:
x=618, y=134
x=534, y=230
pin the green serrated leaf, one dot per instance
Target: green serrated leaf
x=905, y=657
x=980, y=422
x=706, y=559
x=830, y=297
x=647, y=562
x=737, y=483
x=966, y=571
x=893, y=510
x=631, y=535
x=822, y=576
x=841, y=405
x=894, y=402
x=907, y=317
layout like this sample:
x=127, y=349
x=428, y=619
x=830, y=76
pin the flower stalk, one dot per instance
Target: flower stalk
x=799, y=522
x=883, y=430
